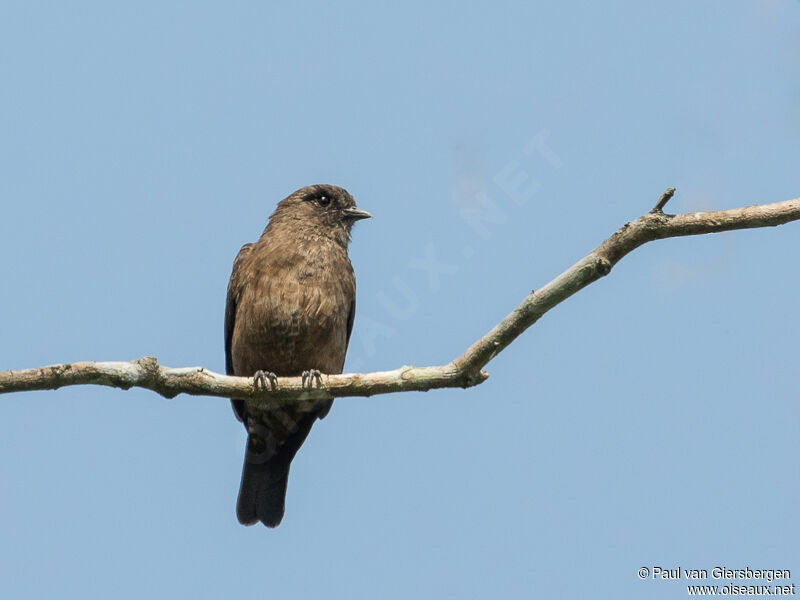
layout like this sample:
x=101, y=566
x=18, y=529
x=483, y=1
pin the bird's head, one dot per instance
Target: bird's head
x=320, y=209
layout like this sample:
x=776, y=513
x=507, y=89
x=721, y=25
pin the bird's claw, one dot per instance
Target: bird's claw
x=265, y=380
x=311, y=375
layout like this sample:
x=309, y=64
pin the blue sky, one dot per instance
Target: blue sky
x=650, y=420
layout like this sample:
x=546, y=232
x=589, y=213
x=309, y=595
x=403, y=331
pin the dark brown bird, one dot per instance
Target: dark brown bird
x=290, y=310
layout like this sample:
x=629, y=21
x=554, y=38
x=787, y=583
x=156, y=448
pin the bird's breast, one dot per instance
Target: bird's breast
x=293, y=319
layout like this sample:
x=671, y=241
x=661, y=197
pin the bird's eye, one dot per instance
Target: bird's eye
x=323, y=200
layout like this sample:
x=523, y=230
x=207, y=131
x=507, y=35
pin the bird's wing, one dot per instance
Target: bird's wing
x=325, y=407
x=351, y=316
x=234, y=286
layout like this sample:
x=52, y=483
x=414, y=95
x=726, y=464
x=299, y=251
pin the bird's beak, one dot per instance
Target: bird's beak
x=356, y=214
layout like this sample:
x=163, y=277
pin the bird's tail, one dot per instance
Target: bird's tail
x=265, y=475
x=262, y=493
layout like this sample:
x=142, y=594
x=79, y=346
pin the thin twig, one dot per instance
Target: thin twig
x=662, y=201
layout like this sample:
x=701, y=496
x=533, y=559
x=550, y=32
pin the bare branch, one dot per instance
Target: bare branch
x=598, y=263
x=464, y=371
x=198, y=381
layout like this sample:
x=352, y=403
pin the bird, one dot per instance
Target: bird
x=289, y=311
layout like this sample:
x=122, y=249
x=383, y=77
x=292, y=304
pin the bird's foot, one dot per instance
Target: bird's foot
x=265, y=380
x=311, y=375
